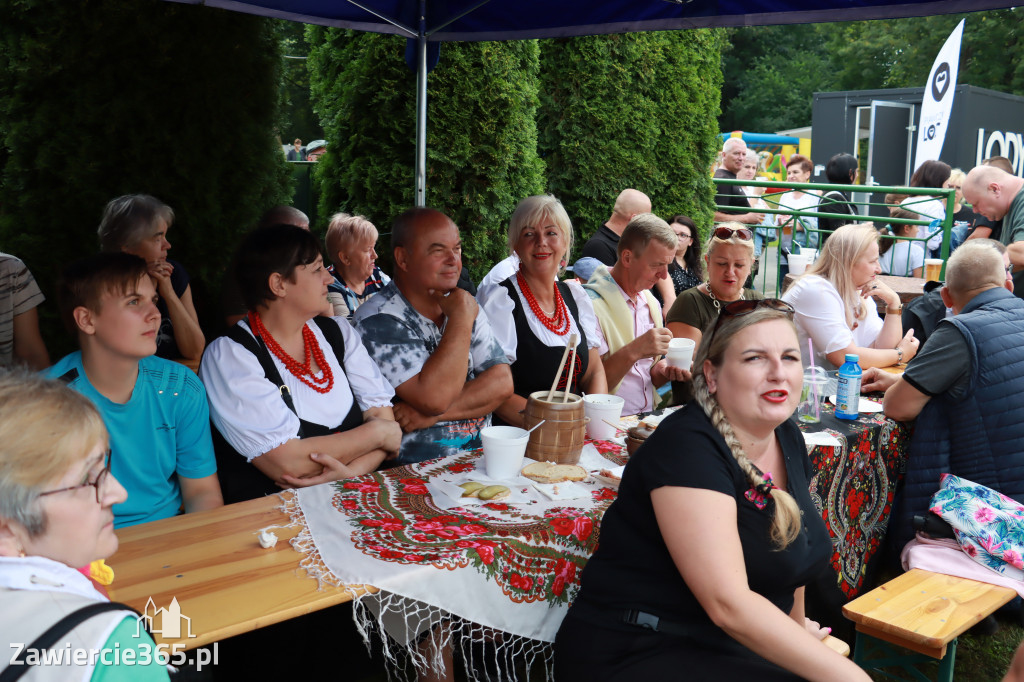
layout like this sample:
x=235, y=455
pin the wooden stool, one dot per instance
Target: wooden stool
x=921, y=611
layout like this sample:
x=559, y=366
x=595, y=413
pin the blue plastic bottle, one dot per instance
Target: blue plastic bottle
x=848, y=391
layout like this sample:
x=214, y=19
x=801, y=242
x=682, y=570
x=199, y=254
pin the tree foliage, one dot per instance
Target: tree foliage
x=631, y=110
x=296, y=118
x=481, y=133
x=772, y=72
x=106, y=97
x=770, y=76
x=899, y=53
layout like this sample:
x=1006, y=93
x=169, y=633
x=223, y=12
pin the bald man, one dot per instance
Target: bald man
x=734, y=153
x=604, y=245
x=964, y=387
x=996, y=194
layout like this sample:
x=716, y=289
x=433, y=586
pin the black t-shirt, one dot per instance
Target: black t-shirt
x=166, y=345
x=603, y=246
x=834, y=201
x=973, y=220
x=632, y=567
x=944, y=364
x=731, y=195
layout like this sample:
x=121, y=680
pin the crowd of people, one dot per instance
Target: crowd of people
x=334, y=369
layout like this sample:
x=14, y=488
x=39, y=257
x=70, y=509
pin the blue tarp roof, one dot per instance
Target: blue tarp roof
x=520, y=19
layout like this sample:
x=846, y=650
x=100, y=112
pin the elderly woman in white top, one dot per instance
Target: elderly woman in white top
x=534, y=316
x=56, y=519
x=834, y=304
x=335, y=419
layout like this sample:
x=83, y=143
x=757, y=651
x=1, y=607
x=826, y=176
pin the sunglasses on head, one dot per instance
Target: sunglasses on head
x=741, y=308
x=726, y=233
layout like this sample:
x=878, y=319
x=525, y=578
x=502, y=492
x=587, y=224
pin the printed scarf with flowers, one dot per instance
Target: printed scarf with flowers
x=988, y=525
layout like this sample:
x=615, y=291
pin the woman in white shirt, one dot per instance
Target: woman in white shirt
x=834, y=306
x=533, y=315
x=929, y=174
x=56, y=526
x=334, y=420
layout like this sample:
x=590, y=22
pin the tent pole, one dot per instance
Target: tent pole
x=421, y=108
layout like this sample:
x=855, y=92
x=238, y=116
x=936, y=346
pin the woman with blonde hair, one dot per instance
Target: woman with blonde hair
x=834, y=306
x=351, y=246
x=56, y=520
x=533, y=316
x=730, y=255
x=705, y=552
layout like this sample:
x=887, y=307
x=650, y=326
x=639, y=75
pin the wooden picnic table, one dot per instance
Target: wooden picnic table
x=225, y=583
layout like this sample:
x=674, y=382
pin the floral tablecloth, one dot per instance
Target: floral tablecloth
x=513, y=568
x=853, y=487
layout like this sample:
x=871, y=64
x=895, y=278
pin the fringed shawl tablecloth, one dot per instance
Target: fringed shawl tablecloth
x=513, y=568
x=853, y=487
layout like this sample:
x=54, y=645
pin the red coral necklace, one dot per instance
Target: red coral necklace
x=559, y=323
x=301, y=371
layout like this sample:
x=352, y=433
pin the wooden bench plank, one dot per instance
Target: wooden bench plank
x=924, y=611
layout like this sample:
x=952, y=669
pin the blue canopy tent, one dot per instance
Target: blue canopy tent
x=427, y=21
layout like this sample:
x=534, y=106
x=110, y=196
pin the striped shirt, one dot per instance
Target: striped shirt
x=19, y=293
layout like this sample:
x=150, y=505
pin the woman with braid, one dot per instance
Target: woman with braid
x=703, y=556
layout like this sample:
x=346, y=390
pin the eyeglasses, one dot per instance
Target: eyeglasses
x=683, y=236
x=98, y=483
x=726, y=233
x=741, y=308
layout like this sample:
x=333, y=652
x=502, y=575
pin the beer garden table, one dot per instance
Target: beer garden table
x=482, y=569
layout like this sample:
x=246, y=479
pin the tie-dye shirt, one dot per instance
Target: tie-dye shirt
x=399, y=339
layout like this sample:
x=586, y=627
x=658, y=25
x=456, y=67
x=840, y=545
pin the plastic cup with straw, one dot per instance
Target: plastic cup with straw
x=815, y=380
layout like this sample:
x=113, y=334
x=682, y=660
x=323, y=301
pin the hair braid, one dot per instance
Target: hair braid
x=786, y=521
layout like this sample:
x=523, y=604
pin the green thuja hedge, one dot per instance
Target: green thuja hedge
x=481, y=133
x=631, y=110
x=106, y=97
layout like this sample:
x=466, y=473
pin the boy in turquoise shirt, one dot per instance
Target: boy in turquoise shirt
x=155, y=409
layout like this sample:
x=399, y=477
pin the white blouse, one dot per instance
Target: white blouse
x=821, y=316
x=248, y=410
x=498, y=305
x=928, y=209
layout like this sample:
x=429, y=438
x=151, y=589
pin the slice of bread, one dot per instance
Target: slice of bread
x=549, y=472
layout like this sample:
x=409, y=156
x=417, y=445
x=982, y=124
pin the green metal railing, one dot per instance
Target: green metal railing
x=926, y=194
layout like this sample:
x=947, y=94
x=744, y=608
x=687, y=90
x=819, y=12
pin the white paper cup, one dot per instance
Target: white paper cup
x=680, y=353
x=601, y=408
x=798, y=262
x=932, y=269
x=504, y=449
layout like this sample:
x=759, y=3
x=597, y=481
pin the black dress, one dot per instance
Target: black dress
x=536, y=362
x=632, y=567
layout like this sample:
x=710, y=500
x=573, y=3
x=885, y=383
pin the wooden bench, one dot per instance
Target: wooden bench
x=921, y=611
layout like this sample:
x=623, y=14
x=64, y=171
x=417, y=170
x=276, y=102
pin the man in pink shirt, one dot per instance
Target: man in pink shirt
x=631, y=329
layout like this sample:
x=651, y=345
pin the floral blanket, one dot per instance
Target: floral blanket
x=514, y=568
x=988, y=525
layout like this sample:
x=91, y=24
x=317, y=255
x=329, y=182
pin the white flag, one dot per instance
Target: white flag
x=938, y=99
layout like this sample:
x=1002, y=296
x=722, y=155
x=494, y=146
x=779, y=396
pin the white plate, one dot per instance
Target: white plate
x=613, y=482
x=865, y=407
